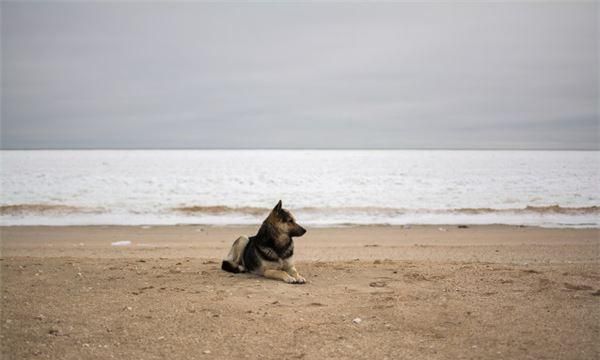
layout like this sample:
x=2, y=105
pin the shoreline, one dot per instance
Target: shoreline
x=313, y=226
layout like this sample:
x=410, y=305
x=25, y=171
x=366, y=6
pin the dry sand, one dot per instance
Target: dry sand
x=430, y=292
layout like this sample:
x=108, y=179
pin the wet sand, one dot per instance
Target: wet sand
x=434, y=292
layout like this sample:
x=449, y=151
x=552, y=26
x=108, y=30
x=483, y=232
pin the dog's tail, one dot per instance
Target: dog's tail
x=233, y=262
x=228, y=266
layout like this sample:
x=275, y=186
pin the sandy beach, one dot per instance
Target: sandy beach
x=373, y=292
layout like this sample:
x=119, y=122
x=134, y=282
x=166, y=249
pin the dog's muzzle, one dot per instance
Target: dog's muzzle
x=301, y=231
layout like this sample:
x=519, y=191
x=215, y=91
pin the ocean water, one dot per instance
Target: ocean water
x=321, y=187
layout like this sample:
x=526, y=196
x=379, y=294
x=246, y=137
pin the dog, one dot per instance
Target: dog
x=270, y=252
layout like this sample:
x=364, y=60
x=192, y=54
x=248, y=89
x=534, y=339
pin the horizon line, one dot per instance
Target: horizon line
x=290, y=149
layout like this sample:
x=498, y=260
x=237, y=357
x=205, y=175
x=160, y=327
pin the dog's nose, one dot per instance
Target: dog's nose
x=302, y=231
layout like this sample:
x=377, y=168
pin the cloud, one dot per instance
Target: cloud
x=204, y=75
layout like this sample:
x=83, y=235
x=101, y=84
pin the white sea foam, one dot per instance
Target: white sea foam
x=545, y=188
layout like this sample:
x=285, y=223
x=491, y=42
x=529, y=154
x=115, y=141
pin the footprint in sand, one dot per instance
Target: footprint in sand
x=316, y=304
x=415, y=276
x=531, y=271
x=577, y=287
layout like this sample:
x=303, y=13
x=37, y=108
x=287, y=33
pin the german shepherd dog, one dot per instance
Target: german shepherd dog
x=270, y=252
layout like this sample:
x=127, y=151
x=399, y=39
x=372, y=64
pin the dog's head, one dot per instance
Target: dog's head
x=283, y=224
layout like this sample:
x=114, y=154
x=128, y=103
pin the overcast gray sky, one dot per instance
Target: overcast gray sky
x=264, y=75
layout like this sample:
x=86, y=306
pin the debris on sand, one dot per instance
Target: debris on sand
x=463, y=226
x=442, y=229
x=121, y=243
x=357, y=320
x=596, y=293
x=378, y=284
x=54, y=331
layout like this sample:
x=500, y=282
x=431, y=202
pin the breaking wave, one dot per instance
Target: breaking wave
x=191, y=210
x=248, y=210
x=63, y=214
x=220, y=209
x=46, y=209
x=550, y=209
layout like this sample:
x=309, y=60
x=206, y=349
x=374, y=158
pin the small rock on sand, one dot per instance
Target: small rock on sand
x=357, y=320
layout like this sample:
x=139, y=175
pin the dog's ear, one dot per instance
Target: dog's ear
x=277, y=207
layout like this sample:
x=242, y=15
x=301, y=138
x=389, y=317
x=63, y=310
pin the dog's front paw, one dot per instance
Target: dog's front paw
x=300, y=280
x=290, y=280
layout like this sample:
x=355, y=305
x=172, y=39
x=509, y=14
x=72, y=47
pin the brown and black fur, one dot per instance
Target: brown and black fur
x=270, y=252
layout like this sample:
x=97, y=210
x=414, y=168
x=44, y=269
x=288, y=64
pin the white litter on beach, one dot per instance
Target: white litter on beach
x=357, y=320
x=121, y=243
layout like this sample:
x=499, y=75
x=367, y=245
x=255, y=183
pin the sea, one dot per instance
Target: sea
x=321, y=187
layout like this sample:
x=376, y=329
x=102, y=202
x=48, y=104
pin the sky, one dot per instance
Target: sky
x=506, y=75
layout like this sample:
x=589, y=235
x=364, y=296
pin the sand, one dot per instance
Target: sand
x=373, y=292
